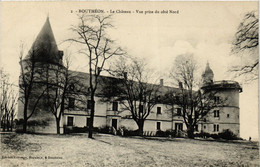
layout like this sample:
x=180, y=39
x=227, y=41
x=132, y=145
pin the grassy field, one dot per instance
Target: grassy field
x=108, y=150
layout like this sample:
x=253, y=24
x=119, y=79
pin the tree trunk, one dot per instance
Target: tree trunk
x=140, y=124
x=190, y=132
x=90, y=133
x=4, y=124
x=25, y=117
x=58, y=125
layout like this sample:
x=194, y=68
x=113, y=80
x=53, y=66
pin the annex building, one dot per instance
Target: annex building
x=110, y=113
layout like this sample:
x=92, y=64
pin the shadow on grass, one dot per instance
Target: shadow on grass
x=18, y=142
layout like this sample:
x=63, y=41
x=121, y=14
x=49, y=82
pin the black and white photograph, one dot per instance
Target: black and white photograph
x=129, y=84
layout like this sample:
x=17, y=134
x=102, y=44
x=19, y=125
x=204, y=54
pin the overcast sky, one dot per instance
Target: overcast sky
x=205, y=29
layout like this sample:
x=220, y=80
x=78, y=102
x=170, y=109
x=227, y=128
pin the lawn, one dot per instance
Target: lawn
x=108, y=150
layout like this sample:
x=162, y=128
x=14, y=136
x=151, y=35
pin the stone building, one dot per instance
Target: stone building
x=162, y=117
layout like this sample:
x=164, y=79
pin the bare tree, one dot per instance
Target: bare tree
x=31, y=86
x=135, y=90
x=98, y=47
x=245, y=44
x=195, y=103
x=8, y=101
x=60, y=83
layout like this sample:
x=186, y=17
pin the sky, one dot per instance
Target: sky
x=205, y=29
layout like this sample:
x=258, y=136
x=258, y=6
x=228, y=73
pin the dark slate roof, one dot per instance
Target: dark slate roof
x=45, y=47
x=83, y=83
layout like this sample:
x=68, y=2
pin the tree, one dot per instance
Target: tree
x=8, y=101
x=32, y=88
x=195, y=104
x=60, y=85
x=98, y=47
x=134, y=90
x=245, y=44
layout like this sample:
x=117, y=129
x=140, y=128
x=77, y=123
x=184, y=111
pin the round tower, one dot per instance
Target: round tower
x=226, y=113
x=42, y=71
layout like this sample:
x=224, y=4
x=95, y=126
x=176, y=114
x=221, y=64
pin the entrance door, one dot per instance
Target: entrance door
x=114, y=123
x=178, y=126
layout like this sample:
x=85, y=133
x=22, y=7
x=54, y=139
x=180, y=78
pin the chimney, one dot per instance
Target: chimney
x=161, y=82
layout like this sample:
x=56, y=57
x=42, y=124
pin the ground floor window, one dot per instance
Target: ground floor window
x=178, y=126
x=114, y=123
x=70, y=121
x=158, y=126
x=88, y=122
x=196, y=128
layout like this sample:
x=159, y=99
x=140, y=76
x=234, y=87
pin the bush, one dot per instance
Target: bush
x=166, y=133
x=103, y=129
x=228, y=135
x=202, y=135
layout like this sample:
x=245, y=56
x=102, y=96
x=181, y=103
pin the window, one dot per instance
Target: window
x=205, y=127
x=71, y=102
x=158, y=125
x=216, y=128
x=227, y=115
x=115, y=106
x=70, y=121
x=159, y=111
x=88, y=122
x=178, y=126
x=216, y=113
x=216, y=99
x=89, y=104
x=141, y=108
x=196, y=128
x=179, y=111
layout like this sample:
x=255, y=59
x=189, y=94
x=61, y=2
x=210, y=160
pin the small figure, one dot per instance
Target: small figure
x=250, y=138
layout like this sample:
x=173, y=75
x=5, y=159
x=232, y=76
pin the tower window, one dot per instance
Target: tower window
x=159, y=110
x=179, y=111
x=115, y=106
x=216, y=113
x=89, y=104
x=71, y=102
x=217, y=99
x=227, y=115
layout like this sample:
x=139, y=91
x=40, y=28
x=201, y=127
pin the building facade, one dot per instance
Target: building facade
x=110, y=113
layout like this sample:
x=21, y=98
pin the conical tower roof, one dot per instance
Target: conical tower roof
x=208, y=75
x=208, y=70
x=44, y=48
